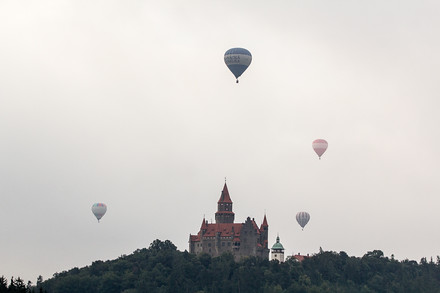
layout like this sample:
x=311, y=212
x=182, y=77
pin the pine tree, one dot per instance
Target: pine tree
x=3, y=285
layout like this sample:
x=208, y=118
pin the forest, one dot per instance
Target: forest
x=162, y=268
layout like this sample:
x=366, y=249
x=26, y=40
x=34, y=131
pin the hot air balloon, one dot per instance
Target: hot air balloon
x=99, y=209
x=238, y=60
x=302, y=218
x=319, y=146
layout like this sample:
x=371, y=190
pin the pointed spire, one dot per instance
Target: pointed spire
x=204, y=224
x=264, y=221
x=224, y=197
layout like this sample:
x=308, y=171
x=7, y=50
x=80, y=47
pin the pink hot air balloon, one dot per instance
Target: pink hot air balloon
x=319, y=146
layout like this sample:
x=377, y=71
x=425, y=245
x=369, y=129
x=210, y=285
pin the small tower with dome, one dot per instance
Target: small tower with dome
x=277, y=251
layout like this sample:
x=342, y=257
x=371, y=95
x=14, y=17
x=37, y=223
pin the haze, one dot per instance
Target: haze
x=130, y=103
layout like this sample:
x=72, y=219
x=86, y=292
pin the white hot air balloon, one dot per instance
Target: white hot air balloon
x=319, y=146
x=302, y=218
x=99, y=209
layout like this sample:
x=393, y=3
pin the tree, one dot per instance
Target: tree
x=3, y=285
x=39, y=281
x=162, y=245
x=162, y=269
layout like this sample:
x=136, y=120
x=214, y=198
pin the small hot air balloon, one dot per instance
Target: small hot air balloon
x=319, y=146
x=99, y=209
x=302, y=218
x=238, y=60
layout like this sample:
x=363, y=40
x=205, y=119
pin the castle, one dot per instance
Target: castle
x=241, y=239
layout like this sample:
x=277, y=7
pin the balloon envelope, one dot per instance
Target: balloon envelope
x=238, y=60
x=302, y=218
x=99, y=209
x=319, y=146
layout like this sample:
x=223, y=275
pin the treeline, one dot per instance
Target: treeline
x=19, y=286
x=163, y=269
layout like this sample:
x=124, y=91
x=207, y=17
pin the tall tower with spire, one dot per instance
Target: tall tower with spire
x=224, y=212
x=264, y=232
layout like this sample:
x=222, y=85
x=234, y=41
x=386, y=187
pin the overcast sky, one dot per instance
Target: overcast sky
x=130, y=103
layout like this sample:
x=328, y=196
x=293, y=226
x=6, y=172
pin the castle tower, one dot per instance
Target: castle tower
x=277, y=251
x=224, y=212
x=264, y=233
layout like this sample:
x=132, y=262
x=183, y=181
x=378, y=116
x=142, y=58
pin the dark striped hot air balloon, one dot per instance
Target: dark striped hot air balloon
x=302, y=218
x=238, y=60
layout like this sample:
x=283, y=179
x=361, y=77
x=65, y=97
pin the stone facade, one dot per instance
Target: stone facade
x=241, y=239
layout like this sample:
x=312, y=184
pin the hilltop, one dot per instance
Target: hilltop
x=162, y=268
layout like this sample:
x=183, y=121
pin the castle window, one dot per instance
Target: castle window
x=229, y=243
x=209, y=245
x=223, y=244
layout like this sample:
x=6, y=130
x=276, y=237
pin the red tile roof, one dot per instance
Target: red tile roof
x=299, y=257
x=224, y=197
x=264, y=222
x=225, y=229
x=204, y=224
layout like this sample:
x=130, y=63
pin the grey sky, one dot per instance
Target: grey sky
x=130, y=103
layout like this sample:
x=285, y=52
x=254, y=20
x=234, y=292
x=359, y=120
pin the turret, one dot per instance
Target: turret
x=264, y=230
x=278, y=251
x=204, y=226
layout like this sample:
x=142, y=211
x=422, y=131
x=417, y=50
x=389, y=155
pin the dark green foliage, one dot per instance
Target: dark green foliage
x=163, y=269
x=3, y=285
x=15, y=286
